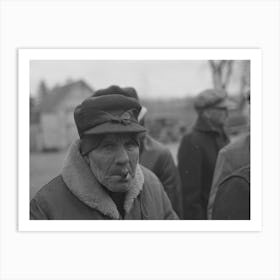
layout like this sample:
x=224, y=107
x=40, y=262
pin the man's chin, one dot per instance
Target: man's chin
x=117, y=186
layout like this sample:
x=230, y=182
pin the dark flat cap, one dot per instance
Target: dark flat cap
x=211, y=98
x=126, y=91
x=110, y=113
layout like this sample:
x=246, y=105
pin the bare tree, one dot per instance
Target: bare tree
x=245, y=77
x=221, y=72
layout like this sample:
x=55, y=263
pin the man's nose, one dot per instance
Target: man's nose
x=121, y=156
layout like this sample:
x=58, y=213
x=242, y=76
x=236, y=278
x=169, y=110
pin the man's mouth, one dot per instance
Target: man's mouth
x=123, y=174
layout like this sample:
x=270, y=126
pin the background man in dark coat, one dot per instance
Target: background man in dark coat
x=101, y=177
x=198, y=151
x=157, y=158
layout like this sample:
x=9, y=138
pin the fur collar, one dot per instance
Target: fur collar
x=206, y=125
x=83, y=184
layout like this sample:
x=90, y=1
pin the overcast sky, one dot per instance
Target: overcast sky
x=164, y=79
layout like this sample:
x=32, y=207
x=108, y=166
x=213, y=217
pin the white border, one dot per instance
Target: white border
x=24, y=58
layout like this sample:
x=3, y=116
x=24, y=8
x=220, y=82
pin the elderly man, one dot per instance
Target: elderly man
x=157, y=158
x=198, y=152
x=101, y=177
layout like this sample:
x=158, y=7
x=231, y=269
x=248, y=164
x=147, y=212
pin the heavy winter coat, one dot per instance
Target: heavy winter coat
x=157, y=158
x=77, y=195
x=231, y=158
x=197, y=156
x=232, y=201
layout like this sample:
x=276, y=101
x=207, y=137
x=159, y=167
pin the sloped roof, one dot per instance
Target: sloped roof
x=58, y=94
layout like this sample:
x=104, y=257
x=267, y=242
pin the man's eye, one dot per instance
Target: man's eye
x=131, y=145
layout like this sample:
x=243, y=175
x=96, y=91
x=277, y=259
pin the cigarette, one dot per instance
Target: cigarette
x=125, y=175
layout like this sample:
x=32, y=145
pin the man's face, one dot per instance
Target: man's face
x=114, y=161
x=217, y=115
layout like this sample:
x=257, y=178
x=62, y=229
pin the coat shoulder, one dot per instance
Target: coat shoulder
x=53, y=189
x=243, y=174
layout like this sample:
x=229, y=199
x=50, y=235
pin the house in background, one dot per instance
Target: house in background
x=57, y=126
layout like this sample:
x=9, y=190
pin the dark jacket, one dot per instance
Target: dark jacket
x=230, y=159
x=77, y=195
x=196, y=162
x=232, y=201
x=157, y=158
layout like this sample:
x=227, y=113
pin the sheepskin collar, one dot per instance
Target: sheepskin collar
x=83, y=184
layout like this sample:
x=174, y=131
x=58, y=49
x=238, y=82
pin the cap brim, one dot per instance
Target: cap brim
x=115, y=128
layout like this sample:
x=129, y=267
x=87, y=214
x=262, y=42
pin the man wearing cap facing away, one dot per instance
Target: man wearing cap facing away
x=101, y=177
x=198, y=151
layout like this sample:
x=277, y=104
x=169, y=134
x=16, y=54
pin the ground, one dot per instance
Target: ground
x=45, y=166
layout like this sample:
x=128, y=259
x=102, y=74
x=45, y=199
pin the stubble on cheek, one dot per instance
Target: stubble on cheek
x=101, y=171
